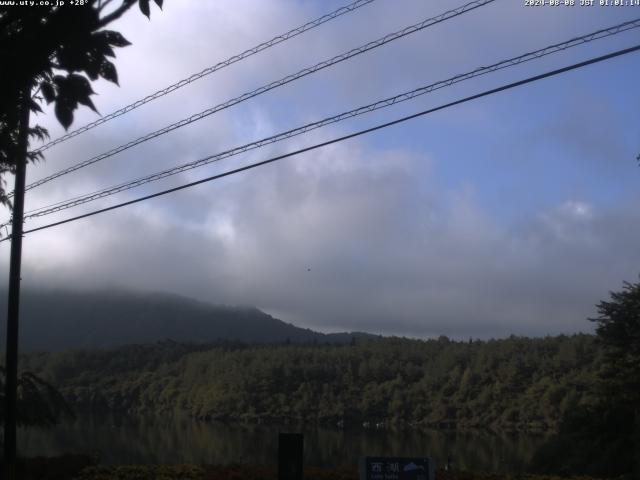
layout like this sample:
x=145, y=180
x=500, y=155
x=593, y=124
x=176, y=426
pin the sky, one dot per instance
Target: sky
x=512, y=214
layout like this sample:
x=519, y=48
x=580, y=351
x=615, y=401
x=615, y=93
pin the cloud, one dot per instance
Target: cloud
x=472, y=222
x=350, y=238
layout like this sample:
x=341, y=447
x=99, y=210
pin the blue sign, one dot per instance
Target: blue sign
x=397, y=468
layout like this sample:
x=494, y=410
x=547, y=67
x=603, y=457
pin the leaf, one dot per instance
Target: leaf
x=79, y=85
x=108, y=72
x=159, y=3
x=87, y=102
x=48, y=92
x=144, y=8
x=64, y=113
x=108, y=52
x=72, y=89
x=93, y=67
x=59, y=80
x=80, y=90
x=39, y=132
x=33, y=156
x=114, y=38
x=33, y=105
x=101, y=47
x=72, y=57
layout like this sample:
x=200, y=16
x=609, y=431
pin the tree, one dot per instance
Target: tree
x=46, y=54
x=40, y=403
x=52, y=54
x=602, y=438
x=619, y=332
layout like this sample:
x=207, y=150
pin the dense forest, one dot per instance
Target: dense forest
x=515, y=383
x=583, y=388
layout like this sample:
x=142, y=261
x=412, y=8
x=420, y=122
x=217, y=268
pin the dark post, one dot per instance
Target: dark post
x=290, y=450
x=11, y=365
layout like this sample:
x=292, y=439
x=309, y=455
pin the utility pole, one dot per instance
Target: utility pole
x=13, y=310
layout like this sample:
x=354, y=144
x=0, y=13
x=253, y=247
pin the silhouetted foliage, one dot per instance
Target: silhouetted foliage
x=603, y=438
x=619, y=332
x=53, y=54
x=39, y=403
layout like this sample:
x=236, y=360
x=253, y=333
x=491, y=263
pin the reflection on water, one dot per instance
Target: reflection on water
x=181, y=440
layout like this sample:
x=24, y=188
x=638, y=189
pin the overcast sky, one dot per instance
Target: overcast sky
x=513, y=214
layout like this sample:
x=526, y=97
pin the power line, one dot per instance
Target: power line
x=265, y=88
x=345, y=137
x=79, y=200
x=209, y=70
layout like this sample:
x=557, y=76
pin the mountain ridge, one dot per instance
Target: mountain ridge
x=58, y=319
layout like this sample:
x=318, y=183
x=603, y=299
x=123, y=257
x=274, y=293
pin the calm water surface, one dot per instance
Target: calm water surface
x=154, y=440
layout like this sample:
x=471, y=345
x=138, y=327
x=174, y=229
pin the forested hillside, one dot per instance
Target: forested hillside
x=515, y=383
x=54, y=320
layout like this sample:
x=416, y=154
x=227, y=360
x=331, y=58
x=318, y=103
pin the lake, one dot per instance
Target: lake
x=120, y=440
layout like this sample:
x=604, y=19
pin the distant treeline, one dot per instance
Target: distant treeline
x=511, y=384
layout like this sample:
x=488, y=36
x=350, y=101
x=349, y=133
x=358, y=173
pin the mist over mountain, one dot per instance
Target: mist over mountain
x=56, y=320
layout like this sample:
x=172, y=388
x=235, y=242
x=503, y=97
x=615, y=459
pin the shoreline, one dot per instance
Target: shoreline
x=81, y=467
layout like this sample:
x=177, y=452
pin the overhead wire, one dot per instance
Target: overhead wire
x=270, y=86
x=387, y=102
x=211, y=69
x=502, y=88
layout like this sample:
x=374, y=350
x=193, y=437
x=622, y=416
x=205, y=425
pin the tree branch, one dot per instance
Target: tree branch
x=117, y=13
x=103, y=4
